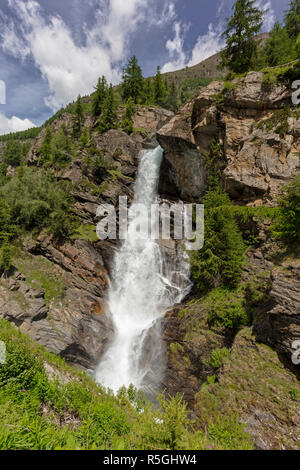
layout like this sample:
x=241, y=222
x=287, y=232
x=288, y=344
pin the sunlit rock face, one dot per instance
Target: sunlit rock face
x=259, y=139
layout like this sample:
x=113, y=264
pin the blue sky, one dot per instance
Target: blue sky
x=53, y=50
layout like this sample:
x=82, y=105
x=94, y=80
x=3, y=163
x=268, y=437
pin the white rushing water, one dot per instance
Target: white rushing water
x=145, y=284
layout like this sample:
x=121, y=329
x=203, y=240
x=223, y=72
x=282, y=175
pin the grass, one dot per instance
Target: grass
x=253, y=379
x=85, y=232
x=68, y=410
x=40, y=274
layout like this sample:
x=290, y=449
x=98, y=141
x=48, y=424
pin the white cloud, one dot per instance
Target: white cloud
x=14, y=124
x=270, y=16
x=175, y=49
x=207, y=45
x=69, y=68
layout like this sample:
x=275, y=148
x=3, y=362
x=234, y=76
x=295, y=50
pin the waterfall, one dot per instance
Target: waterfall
x=145, y=284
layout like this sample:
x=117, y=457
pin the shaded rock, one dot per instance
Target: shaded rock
x=279, y=324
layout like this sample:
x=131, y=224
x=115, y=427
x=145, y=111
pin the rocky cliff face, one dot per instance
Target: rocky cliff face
x=258, y=131
x=73, y=323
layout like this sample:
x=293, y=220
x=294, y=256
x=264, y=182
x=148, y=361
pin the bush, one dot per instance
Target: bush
x=21, y=366
x=37, y=200
x=5, y=256
x=61, y=147
x=298, y=47
x=218, y=356
x=230, y=434
x=226, y=309
x=13, y=154
x=287, y=225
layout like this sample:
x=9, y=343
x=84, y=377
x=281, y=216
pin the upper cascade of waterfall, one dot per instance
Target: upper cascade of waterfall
x=144, y=286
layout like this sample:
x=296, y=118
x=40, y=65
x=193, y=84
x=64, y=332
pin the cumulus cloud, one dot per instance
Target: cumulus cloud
x=175, y=49
x=207, y=45
x=71, y=68
x=14, y=124
x=270, y=16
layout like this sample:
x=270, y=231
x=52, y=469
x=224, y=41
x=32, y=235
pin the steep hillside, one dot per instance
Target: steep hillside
x=207, y=69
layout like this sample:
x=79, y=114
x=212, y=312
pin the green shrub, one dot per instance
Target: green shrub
x=230, y=434
x=226, y=308
x=13, y=153
x=218, y=356
x=61, y=150
x=21, y=366
x=287, y=224
x=6, y=256
x=37, y=200
x=298, y=47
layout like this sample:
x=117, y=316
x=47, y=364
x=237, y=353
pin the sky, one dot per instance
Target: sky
x=52, y=50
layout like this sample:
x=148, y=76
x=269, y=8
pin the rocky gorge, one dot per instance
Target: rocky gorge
x=56, y=291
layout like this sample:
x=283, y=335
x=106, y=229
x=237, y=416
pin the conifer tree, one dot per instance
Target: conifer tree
x=85, y=138
x=127, y=124
x=241, y=47
x=221, y=259
x=279, y=47
x=160, y=91
x=298, y=48
x=133, y=81
x=292, y=19
x=13, y=153
x=46, y=148
x=5, y=256
x=109, y=117
x=148, y=92
x=78, y=118
x=61, y=146
x=99, y=96
x=172, y=101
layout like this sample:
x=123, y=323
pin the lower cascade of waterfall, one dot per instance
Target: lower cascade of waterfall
x=145, y=284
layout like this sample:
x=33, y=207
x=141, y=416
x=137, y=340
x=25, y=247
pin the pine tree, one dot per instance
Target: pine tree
x=160, y=91
x=221, y=259
x=46, y=148
x=172, y=101
x=99, y=96
x=78, y=118
x=127, y=124
x=148, y=92
x=109, y=117
x=133, y=81
x=13, y=153
x=298, y=48
x=85, y=138
x=61, y=146
x=241, y=48
x=292, y=19
x=279, y=47
x=5, y=256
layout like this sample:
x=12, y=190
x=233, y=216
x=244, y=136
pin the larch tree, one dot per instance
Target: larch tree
x=133, y=81
x=242, y=27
